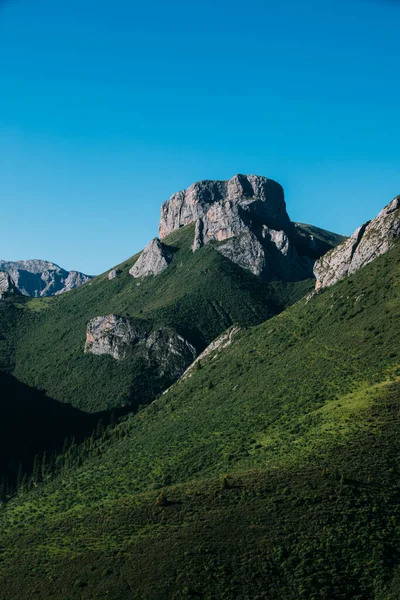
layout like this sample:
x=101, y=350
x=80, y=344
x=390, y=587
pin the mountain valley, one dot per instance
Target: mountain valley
x=216, y=417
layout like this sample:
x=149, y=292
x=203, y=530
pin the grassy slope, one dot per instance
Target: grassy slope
x=200, y=295
x=279, y=461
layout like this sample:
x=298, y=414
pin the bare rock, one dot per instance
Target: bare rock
x=114, y=335
x=170, y=353
x=242, y=190
x=42, y=278
x=153, y=260
x=248, y=215
x=114, y=273
x=7, y=286
x=369, y=241
x=213, y=349
x=246, y=251
x=166, y=352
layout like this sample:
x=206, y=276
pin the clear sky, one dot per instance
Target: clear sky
x=107, y=108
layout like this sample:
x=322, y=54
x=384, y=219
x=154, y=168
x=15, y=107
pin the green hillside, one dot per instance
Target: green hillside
x=199, y=295
x=272, y=472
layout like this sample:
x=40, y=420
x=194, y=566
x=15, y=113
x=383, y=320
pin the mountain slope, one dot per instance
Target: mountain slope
x=278, y=463
x=199, y=295
x=33, y=423
x=42, y=278
x=232, y=256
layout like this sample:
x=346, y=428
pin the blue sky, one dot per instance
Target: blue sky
x=107, y=108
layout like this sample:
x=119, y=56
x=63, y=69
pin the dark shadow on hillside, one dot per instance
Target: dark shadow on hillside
x=31, y=423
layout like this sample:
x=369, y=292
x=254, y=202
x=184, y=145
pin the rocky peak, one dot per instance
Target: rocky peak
x=367, y=243
x=242, y=190
x=7, y=286
x=42, y=278
x=246, y=220
x=153, y=260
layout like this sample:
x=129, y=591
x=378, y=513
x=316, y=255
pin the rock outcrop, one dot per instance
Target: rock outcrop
x=152, y=261
x=114, y=273
x=367, y=243
x=42, y=278
x=114, y=335
x=246, y=251
x=169, y=353
x=213, y=349
x=7, y=286
x=166, y=352
x=248, y=215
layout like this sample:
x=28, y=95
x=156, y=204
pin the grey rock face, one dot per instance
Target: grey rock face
x=114, y=335
x=166, y=352
x=242, y=190
x=367, y=243
x=7, y=286
x=169, y=352
x=42, y=278
x=246, y=251
x=114, y=273
x=248, y=214
x=153, y=260
x=213, y=349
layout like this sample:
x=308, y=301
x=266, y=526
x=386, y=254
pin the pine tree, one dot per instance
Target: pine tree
x=44, y=466
x=36, y=470
x=20, y=476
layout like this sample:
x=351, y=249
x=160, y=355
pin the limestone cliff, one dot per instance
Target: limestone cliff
x=246, y=220
x=166, y=352
x=367, y=243
x=152, y=261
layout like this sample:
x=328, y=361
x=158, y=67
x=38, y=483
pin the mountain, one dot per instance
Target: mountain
x=38, y=278
x=124, y=337
x=269, y=470
x=248, y=215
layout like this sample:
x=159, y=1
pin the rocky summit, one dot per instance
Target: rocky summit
x=368, y=242
x=42, y=278
x=246, y=220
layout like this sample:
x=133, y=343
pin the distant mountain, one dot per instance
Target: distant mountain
x=42, y=278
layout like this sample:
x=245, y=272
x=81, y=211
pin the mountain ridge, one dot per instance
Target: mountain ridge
x=42, y=278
